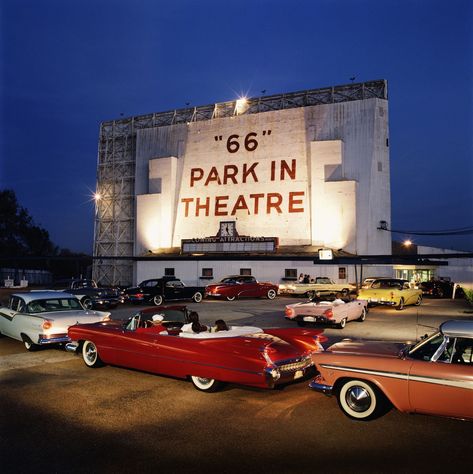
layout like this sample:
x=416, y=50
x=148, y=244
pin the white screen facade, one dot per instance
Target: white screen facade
x=310, y=169
x=310, y=176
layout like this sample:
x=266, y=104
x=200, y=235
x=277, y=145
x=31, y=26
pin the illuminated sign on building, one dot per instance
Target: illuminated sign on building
x=228, y=240
x=278, y=173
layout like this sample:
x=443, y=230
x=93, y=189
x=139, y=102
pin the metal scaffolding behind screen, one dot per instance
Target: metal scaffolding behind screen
x=115, y=211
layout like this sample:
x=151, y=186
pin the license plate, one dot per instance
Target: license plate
x=298, y=374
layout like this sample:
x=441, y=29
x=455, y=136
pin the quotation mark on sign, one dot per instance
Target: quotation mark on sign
x=266, y=132
x=218, y=138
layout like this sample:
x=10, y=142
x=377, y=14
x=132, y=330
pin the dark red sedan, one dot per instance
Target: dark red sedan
x=241, y=286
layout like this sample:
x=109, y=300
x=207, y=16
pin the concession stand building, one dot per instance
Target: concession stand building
x=266, y=186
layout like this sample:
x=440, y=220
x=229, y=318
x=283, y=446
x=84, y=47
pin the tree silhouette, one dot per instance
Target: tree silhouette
x=19, y=235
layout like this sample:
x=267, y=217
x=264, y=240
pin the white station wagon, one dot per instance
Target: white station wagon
x=43, y=317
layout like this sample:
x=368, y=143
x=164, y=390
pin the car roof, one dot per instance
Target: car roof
x=42, y=295
x=457, y=328
x=238, y=276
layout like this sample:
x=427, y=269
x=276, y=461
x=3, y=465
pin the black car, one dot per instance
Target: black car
x=89, y=293
x=440, y=289
x=158, y=290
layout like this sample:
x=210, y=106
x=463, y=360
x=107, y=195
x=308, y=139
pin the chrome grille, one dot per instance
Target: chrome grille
x=293, y=365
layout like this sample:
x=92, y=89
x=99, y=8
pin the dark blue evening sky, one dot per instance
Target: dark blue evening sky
x=67, y=65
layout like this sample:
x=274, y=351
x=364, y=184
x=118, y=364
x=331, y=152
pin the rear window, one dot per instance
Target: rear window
x=53, y=304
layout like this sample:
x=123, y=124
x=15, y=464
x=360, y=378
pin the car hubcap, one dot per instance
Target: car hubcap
x=91, y=353
x=358, y=399
x=204, y=381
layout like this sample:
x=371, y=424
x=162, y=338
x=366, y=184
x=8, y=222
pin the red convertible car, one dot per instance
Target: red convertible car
x=239, y=286
x=151, y=340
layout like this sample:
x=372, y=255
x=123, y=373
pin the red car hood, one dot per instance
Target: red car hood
x=378, y=348
x=111, y=324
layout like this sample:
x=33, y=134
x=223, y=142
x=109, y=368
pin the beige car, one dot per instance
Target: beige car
x=390, y=292
x=321, y=284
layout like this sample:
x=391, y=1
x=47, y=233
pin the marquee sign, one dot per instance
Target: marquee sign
x=228, y=240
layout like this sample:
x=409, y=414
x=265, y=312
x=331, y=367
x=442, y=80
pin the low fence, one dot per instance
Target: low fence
x=33, y=277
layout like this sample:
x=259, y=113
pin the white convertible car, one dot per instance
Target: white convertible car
x=330, y=312
x=43, y=317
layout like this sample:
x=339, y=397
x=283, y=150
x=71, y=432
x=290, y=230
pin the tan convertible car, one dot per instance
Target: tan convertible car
x=434, y=376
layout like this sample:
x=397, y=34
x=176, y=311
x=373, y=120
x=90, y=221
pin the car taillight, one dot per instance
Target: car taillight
x=328, y=313
x=47, y=324
x=266, y=354
x=318, y=341
x=289, y=312
x=139, y=295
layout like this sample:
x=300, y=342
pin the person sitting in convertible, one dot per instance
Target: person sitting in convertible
x=338, y=299
x=220, y=325
x=194, y=325
x=317, y=299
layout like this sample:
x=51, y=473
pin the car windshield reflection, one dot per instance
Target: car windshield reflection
x=145, y=320
x=55, y=304
x=426, y=348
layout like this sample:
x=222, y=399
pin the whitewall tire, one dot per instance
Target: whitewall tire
x=400, y=306
x=359, y=400
x=342, y=323
x=87, y=303
x=271, y=294
x=158, y=300
x=197, y=298
x=362, y=315
x=90, y=355
x=204, y=384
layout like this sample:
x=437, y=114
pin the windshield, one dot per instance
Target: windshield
x=228, y=280
x=53, y=304
x=324, y=281
x=143, y=320
x=426, y=348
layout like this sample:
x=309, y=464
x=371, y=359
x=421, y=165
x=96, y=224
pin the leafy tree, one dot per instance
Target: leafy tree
x=19, y=235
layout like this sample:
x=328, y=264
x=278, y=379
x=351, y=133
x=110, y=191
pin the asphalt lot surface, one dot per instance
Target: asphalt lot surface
x=57, y=415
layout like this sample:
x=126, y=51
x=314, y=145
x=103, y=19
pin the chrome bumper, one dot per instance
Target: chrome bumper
x=287, y=371
x=320, y=387
x=72, y=346
x=53, y=339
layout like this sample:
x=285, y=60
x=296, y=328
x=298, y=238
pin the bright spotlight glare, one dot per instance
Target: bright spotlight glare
x=97, y=197
x=241, y=105
x=407, y=243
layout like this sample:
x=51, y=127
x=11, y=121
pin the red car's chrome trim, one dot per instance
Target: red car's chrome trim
x=403, y=376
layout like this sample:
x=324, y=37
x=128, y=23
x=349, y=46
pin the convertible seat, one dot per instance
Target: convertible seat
x=234, y=331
